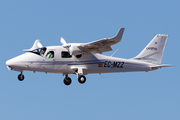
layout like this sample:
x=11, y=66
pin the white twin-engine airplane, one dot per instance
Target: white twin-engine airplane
x=86, y=58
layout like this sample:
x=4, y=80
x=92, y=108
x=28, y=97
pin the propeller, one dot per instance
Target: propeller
x=36, y=45
x=65, y=45
x=39, y=45
x=63, y=41
x=72, y=49
x=8, y=68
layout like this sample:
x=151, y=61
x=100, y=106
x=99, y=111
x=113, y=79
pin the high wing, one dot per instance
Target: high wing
x=103, y=45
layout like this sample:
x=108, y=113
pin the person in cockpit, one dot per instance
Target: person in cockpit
x=49, y=55
x=42, y=52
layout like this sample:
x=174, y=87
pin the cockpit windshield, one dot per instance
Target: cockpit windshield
x=39, y=51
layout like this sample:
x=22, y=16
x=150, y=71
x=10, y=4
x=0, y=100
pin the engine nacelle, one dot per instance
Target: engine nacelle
x=74, y=50
x=71, y=47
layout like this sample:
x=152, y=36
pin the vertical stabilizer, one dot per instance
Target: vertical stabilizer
x=153, y=52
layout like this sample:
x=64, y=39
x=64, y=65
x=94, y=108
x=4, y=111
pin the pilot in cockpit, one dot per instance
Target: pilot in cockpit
x=41, y=52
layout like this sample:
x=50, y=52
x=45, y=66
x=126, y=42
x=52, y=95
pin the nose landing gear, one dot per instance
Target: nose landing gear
x=67, y=80
x=21, y=77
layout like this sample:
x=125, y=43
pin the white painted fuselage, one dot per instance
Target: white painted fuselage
x=91, y=63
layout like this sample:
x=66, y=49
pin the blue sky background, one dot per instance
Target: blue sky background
x=129, y=96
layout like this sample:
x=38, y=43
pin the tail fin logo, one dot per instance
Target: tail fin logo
x=151, y=48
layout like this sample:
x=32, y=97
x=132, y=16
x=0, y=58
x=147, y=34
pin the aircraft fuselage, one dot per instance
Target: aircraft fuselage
x=92, y=63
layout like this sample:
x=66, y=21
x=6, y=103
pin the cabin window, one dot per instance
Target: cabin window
x=78, y=56
x=65, y=54
x=50, y=54
x=39, y=51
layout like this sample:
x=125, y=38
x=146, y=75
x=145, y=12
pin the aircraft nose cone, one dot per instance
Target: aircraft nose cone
x=18, y=62
x=9, y=62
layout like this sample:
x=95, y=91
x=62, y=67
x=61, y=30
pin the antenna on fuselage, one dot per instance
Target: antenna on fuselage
x=114, y=52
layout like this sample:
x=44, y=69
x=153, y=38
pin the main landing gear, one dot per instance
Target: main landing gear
x=81, y=79
x=21, y=77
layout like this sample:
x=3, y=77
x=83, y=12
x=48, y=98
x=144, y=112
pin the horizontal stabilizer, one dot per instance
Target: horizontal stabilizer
x=159, y=66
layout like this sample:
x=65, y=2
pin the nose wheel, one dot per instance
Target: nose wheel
x=67, y=80
x=21, y=77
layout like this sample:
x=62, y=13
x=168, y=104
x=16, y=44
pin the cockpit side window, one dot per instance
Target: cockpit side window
x=39, y=51
x=65, y=54
x=50, y=54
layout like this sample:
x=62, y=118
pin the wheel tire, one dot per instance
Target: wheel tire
x=20, y=77
x=67, y=81
x=82, y=79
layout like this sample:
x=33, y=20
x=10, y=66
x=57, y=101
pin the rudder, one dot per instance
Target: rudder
x=153, y=52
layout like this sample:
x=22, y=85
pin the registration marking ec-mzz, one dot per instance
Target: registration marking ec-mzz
x=113, y=64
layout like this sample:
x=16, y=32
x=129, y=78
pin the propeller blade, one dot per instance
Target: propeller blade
x=36, y=45
x=8, y=67
x=63, y=41
x=39, y=45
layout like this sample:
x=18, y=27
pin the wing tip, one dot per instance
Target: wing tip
x=120, y=33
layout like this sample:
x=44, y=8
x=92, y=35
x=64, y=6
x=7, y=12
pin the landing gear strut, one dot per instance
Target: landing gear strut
x=21, y=77
x=67, y=80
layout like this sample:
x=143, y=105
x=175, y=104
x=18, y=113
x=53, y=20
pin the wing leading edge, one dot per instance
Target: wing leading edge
x=102, y=45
